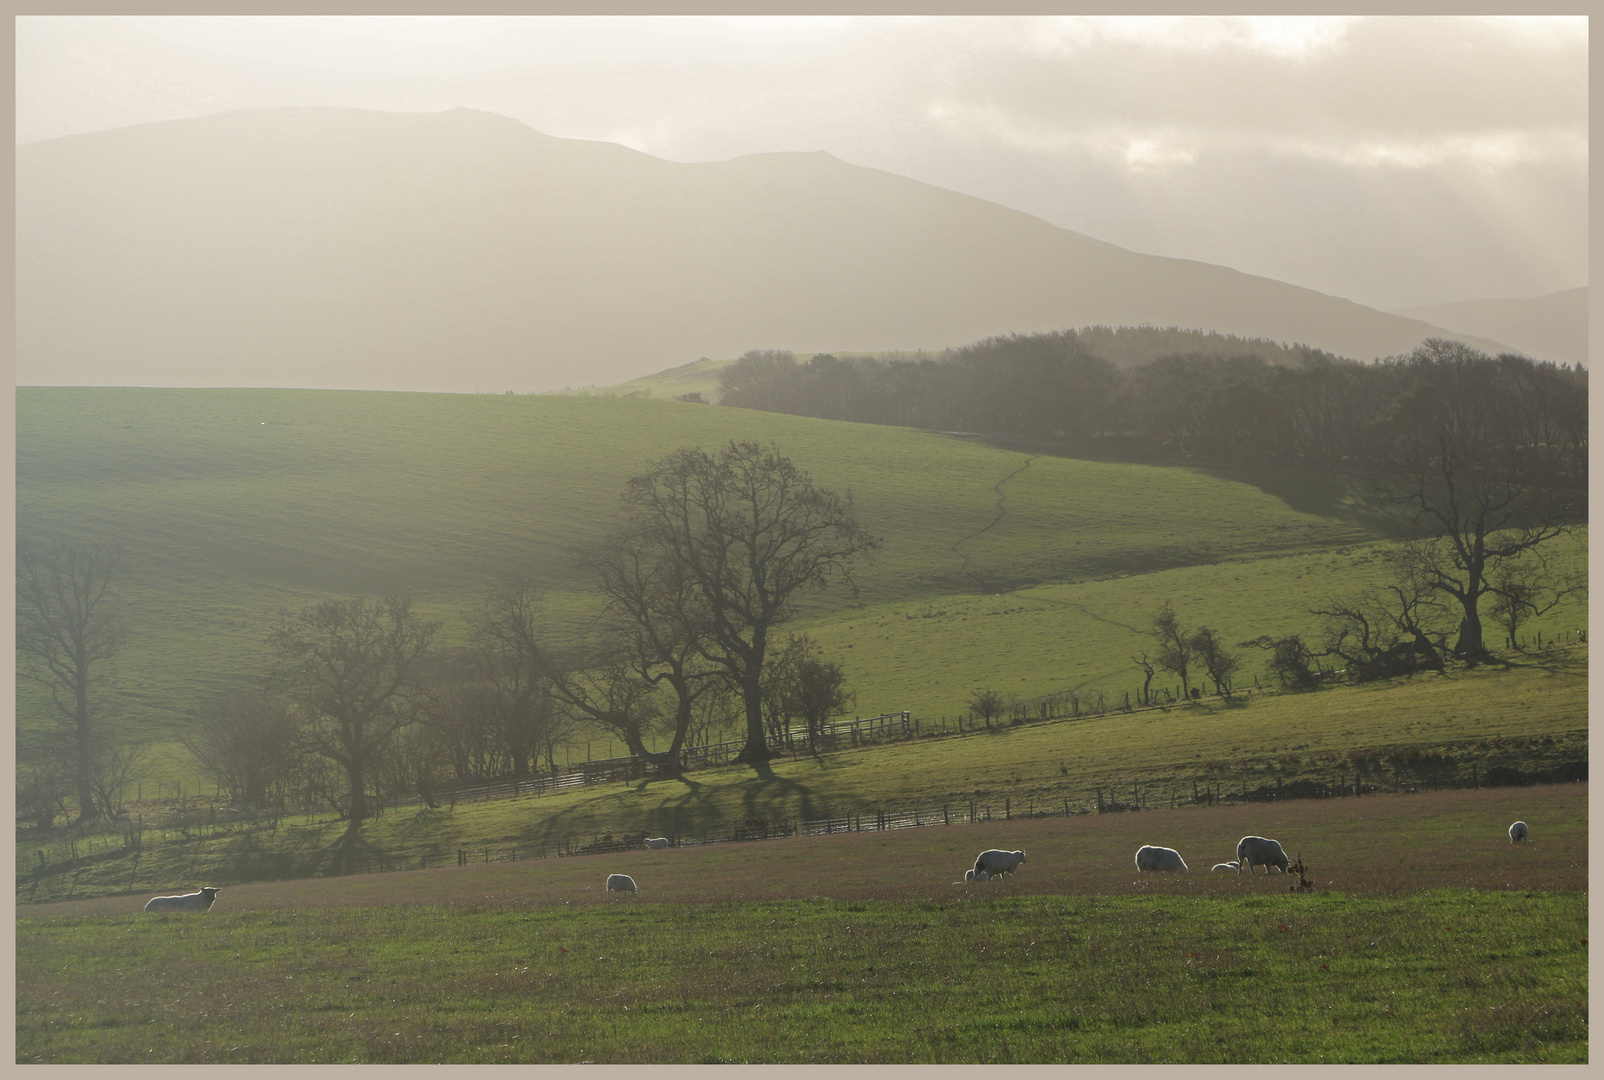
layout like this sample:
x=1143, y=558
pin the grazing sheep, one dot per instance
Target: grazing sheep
x=1149, y=857
x=622, y=883
x=976, y=875
x=1254, y=851
x=656, y=843
x=1517, y=832
x=195, y=901
x=996, y=863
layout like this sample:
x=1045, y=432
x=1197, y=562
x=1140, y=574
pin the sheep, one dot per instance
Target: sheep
x=622, y=883
x=1254, y=851
x=976, y=875
x=195, y=901
x=656, y=843
x=996, y=863
x=1233, y=865
x=1517, y=832
x=1149, y=857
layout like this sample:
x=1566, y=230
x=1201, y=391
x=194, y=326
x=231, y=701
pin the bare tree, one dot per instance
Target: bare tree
x=246, y=744
x=1291, y=661
x=988, y=704
x=816, y=690
x=1146, y=696
x=1176, y=651
x=657, y=616
x=353, y=666
x=750, y=533
x=1524, y=589
x=117, y=767
x=510, y=656
x=1399, y=629
x=67, y=636
x=1473, y=477
x=605, y=690
x=1220, y=665
x=43, y=787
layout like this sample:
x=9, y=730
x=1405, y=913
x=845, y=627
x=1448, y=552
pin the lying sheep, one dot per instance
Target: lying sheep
x=976, y=875
x=1254, y=851
x=656, y=843
x=195, y=901
x=996, y=863
x=1517, y=832
x=1149, y=857
x=1232, y=866
x=621, y=883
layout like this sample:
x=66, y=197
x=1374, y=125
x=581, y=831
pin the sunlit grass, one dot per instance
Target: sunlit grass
x=1448, y=975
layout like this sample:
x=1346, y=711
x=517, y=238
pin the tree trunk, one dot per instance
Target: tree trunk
x=1470, y=645
x=355, y=773
x=86, y=791
x=757, y=744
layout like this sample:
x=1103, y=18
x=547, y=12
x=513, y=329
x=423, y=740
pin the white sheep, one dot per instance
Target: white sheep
x=1517, y=832
x=195, y=901
x=1233, y=866
x=1254, y=851
x=1149, y=857
x=656, y=843
x=976, y=875
x=621, y=883
x=996, y=863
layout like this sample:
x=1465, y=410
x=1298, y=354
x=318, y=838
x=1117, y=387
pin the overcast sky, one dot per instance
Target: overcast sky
x=1395, y=161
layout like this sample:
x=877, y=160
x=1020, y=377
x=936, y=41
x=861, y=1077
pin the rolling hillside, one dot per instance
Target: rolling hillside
x=1552, y=327
x=464, y=251
x=233, y=504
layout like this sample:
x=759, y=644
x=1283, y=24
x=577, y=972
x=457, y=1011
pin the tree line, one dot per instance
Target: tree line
x=1222, y=400
x=359, y=703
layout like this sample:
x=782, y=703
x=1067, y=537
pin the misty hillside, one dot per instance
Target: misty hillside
x=465, y=251
x=1552, y=327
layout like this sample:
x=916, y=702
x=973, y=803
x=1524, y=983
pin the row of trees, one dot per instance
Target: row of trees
x=1305, y=409
x=694, y=588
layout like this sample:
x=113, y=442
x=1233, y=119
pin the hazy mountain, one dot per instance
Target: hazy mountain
x=1552, y=327
x=466, y=251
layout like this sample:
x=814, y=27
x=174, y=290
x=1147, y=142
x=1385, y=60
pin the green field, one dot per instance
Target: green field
x=1529, y=714
x=1427, y=937
x=1024, y=572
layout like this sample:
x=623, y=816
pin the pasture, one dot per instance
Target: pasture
x=1427, y=937
x=1531, y=714
x=232, y=504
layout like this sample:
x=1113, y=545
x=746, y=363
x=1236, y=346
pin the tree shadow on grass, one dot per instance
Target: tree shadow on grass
x=350, y=854
x=769, y=795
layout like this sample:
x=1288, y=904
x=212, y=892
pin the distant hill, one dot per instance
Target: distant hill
x=461, y=250
x=1552, y=327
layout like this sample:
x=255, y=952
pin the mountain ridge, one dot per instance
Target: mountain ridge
x=463, y=251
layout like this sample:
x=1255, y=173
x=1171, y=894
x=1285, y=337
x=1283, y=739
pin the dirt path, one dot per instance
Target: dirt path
x=1001, y=513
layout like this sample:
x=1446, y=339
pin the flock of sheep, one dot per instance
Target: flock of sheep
x=1251, y=852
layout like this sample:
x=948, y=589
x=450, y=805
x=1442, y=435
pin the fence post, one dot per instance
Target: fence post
x=1007, y=814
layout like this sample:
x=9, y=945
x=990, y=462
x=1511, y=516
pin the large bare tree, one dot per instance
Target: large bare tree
x=750, y=533
x=1479, y=482
x=352, y=666
x=67, y=635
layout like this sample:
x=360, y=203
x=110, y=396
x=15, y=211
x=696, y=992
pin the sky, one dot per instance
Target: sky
x=1395, y=161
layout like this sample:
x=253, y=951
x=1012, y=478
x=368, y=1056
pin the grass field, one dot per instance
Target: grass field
x=1428, y=937
x=1531, y=714
x=232, y=504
